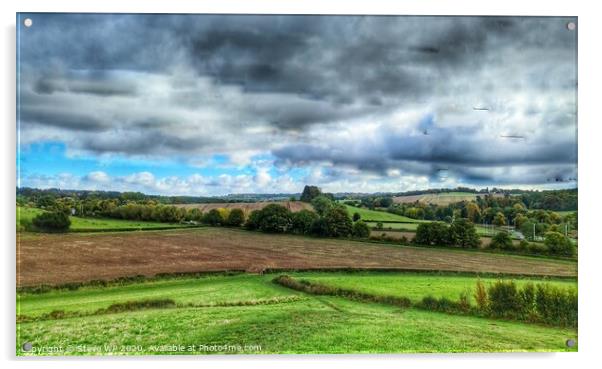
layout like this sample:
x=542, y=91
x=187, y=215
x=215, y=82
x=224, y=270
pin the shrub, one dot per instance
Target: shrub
x=360, y=229
x=236, y=218
x=537, y=248
x=523, y=246
x=481, y=296
x=52, y=221
x=527, y=300
x=504, y=300
x=442, y=304
x=138, y=305
x=464, y=301
x=356, y=216
x=559, y=244
x=501, y=240
x=556, y=306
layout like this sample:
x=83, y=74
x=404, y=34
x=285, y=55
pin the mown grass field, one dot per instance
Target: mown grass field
x=415, y=286
x=25, y=215
x=368, y=215
x=291, y=322
x=411, y=227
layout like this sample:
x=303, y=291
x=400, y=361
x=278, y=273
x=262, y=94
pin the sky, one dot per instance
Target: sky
x=211, y=105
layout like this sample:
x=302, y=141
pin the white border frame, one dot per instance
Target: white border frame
x=589, y=151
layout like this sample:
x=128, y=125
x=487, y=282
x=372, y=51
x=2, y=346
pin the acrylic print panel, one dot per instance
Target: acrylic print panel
x=261, y=184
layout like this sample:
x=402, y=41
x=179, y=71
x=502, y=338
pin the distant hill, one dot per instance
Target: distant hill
x=441, y=199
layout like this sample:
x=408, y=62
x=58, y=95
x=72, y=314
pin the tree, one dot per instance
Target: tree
x=385, y=202
x=303, y=221
x=310, y=193
x=473, y=212
x=434, y=233
x=46, y=201
x=519, y=220
x=519, y=208
x=501, y=240
x=360, y=229
x=338, y=222
x=195, y=214
x=319, y=227
x=464, y=234
x=252, y=222
x=213, y=217
x=356, y=216
x=236, y=218
x=275, y=218
x=415, y=213
x=52, y=221
x=559, y=244
x=499, y=219
x=322, y=204
x=528, y=227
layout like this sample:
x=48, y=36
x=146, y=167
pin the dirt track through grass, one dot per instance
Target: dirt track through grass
x=57, y=259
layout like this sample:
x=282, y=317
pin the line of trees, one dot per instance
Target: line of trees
x=460, y=233
x=329, y=220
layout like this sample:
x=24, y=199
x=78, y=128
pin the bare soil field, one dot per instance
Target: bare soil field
x=63, y=258
x=248, y=207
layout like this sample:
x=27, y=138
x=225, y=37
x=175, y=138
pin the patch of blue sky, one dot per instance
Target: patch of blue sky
x=51, y=158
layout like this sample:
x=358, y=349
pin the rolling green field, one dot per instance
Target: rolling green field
x=78, y=224
x=414, y=286
x=565, y=212
x=273, y=319
x=410, y=227
x=443, y=199
x=380, y=216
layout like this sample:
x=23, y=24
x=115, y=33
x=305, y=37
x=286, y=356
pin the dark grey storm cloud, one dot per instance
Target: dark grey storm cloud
x=350, y=91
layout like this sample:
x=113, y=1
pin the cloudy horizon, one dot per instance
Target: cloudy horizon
x=212, y=105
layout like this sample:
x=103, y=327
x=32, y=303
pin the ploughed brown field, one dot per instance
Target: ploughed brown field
x=78, y=257
x=248, y=207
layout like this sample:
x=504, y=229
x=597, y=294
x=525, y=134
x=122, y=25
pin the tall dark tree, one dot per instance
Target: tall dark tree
x=310, y=193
